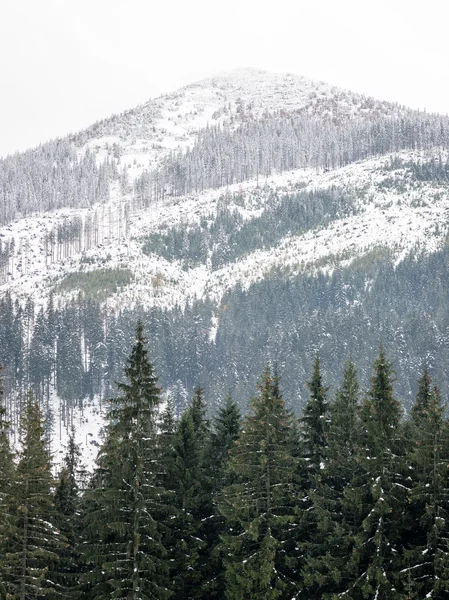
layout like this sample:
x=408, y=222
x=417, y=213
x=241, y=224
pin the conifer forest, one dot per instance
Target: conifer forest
x=347, y=497
x=224, y=350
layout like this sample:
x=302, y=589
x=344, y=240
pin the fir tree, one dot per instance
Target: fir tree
x=226, y=430
x=314, y=425
x=186, y=528
x=312, y=449
x=225, y=433
x=192, y=502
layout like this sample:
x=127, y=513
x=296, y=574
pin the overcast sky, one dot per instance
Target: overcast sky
x=67, y=63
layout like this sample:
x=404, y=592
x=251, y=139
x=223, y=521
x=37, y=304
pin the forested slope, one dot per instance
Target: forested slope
x=350, y=500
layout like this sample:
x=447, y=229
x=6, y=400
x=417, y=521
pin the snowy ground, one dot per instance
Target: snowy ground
x=416, y=215
x=398, y=218
x=145, y=135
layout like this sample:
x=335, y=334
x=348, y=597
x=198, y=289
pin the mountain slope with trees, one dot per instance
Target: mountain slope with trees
x=245, y=218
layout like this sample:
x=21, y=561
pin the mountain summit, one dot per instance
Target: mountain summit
x=148, y=132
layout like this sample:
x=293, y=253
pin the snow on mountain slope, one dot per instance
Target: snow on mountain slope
x=399, y=217
x=391, y=211
x=143, y=136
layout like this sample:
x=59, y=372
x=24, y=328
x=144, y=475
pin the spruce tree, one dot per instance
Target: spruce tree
x=189, y=530
x=6, y=483
x=312, y=453
x=425, y=572
x=257, y=504
x=33, y=548
x=326, y=551
x=225, y=432
x=186, y=529
x=377, y=497
x=124, y=549
x=67, y=504
x=314, y=426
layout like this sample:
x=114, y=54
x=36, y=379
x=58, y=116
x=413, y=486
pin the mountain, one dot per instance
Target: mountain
x=244, y=218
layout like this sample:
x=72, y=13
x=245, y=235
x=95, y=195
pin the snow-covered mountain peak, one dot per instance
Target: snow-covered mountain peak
x=145, y=135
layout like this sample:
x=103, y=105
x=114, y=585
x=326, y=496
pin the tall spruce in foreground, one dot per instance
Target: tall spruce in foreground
x=327, y=550
x=426, y=562
x=124, y=545
x=34, y=546
x=6, y=481
x=258, y=502
x=378, y=497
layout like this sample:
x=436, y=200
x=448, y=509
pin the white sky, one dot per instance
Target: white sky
x=67, y=63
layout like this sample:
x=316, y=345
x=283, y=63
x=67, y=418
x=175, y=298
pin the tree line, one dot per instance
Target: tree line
x=349, y=500
x=50, y=177
x=276, y=142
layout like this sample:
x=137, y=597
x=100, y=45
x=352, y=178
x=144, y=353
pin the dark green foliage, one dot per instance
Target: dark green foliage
x=67, y=504
x=6, y=489
x=189, y=529
x=69, y=371
x=124, y=549
x=32, y=550
x=379, y=494
x=229, y=236
x=351, y=502
x=225, y=432
x=314, y=424
x=426, y=560
x=329, y=543
x=258, y=500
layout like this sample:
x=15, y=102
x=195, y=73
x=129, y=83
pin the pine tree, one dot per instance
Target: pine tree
x=124, y=545
x=257, y=504
x=34, y=546
x=425, y=571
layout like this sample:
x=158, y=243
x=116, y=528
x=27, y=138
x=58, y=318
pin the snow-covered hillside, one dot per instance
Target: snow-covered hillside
x=143, y=136
x=101, y=249
x=399, y=217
